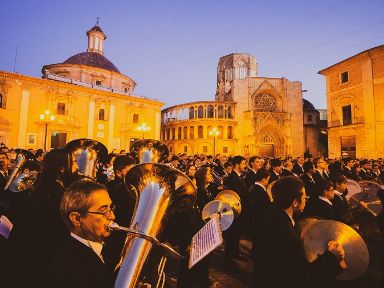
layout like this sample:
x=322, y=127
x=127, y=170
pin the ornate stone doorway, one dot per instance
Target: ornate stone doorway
x=266, y=150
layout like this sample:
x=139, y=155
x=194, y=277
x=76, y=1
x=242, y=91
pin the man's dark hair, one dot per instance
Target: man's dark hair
x=75, y=198
x=275, y=162
x=307, y=166
x=4, y=153
x=227, y=164
x=252, y=159
x=285, y=190
x=237, y=160
x=340, y=179
x=316, y=161
x=174, y=158
x=121, y=161
x=326, y=184
x=262, y=173
x=346, y=160
x=39, y=152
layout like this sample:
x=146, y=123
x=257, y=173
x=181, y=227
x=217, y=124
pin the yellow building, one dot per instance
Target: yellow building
x=355, y=104
x=88, y=97
x=266, y=115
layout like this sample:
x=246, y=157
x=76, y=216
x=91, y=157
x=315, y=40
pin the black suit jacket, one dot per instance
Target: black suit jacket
x=319, y=208
x=286, y=172
x=319, y=178
x=236, y=183
x=273, y=177
x=311, y=188
x=76, y=265
x=297, y=169
x=340, y=205
x=249, y=178
x=281, y=258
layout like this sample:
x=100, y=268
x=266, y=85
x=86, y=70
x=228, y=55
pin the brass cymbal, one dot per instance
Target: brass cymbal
x=370, y=187
x=318, y=235
x=222, y=210
x=353, y=188
x=302, y=225
x=371, y=200
x=232, y=198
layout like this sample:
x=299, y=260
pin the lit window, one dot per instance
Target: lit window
x=135, y=118
x=61, y=108
x=98, y=82
x=101, y=114
x=344, y=77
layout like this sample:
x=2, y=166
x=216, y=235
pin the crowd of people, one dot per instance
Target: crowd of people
x=60, y=236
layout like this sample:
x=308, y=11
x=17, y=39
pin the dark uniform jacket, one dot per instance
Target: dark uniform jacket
x=76, y=265
x=273, y=177
x=340, y=205
x=319, y=208
x=280, y=256
x=249, y=178
x=297, y=169
x=311, y=188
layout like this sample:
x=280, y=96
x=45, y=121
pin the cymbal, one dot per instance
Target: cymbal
x=370, y=187
x=222, y=210
x=302, y=225
x=353, y=188
x=318, y=235
x=232, y=198
x=373, y=202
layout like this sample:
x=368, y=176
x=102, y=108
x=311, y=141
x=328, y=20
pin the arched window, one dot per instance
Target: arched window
x=185, y=132
x=221, y=132
x=230, y=114
x=230, y=132
x=179, y=133
x=220, y=112
x=266, y=138
x=191, y=132
x=309, y=118
x=168, y=134
x=210, y=113
x=200, y=132
x=173, y=133
x=2, y=101
x=101, y=114
x=200, y=112
x=191, y=113
x=241, y=70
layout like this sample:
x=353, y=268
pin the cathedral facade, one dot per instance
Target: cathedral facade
x=86, y=96
x=254, y=115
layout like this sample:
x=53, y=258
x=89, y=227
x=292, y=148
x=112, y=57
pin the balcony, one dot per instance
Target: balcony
x=346, y=122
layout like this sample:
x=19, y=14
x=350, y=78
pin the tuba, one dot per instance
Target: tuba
x=159, y=190
x=20, y=178
x=86, y=153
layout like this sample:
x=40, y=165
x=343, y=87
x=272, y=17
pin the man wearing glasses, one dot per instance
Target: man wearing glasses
x=87, y=210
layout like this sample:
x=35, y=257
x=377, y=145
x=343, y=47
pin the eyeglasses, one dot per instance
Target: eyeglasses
x=106, y=214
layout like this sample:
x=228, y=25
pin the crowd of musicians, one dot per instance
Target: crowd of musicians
x=60, y=237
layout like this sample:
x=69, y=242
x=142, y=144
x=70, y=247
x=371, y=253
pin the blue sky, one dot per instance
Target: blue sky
x=171, y=48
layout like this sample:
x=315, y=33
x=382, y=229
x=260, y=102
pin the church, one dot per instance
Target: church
x=86, y=96
x=251, y=115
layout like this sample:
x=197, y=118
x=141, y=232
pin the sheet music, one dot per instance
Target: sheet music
x=205, y=241
x=5, y=226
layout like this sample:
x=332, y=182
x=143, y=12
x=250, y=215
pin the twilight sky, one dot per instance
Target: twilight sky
x=171, y=48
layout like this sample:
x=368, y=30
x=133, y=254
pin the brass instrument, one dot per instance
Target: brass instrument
x=87, y=153
x=20, y=180
x=158, y=190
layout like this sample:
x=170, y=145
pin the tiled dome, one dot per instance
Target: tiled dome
x=308, y=105
x=92, y=59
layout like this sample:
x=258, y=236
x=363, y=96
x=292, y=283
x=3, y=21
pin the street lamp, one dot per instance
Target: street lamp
x=144, y=128
x=214, y=132
x=46, y=118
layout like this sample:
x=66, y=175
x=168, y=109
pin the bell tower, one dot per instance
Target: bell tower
x=96, y=39
x=234, y=68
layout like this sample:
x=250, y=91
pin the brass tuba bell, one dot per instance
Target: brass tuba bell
x=20, y=180
x=86, y=153
x=158, y=191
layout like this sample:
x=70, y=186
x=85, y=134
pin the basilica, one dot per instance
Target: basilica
x=251, y=115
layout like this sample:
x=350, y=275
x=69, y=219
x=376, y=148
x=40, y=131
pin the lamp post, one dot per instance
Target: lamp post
x=214, y=132
x=46, y=118
x=144, y=128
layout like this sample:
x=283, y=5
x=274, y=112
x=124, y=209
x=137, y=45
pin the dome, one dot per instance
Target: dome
x=92, y=59
x=308, y=105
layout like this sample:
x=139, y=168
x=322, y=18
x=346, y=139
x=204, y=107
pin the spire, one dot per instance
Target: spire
x=96, y=39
